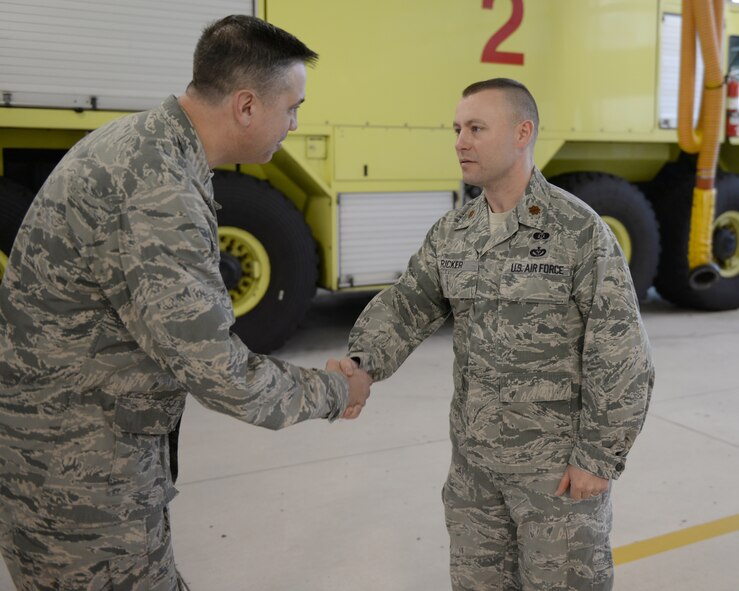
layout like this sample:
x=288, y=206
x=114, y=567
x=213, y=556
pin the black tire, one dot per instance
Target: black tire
x=15, y=200
x=671, y=193
x=264, y=212
x=617, y=198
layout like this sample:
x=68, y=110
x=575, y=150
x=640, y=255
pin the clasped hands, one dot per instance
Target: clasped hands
x=359, y=385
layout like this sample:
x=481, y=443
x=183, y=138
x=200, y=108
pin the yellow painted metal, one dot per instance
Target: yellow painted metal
x=315, y=147
x=729, y=220
x=622, y=235
x=3, y=264
x=595, y=66
x=632, y=160
x=408, y=185
x=545, y=150
x=255, y=267
x=312, y=175
x=15, y=117
x=321, y=216
x=732, y=18
x=729, y=156
x=588, y=73
x=53, y=139
x=362, y=154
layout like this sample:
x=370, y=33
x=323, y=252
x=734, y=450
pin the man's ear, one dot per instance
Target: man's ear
x=525, y=133
x=244, y=104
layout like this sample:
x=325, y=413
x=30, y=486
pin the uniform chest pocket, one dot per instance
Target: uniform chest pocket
x=458, y=278
x=459, y=285
x=537, y=287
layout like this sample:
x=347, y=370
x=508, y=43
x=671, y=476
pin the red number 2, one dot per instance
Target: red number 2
x=491, y=54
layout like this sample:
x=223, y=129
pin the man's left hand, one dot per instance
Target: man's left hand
x=582, y=484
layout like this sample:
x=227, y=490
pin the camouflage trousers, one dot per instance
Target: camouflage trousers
x=135, y=556
x=509, y=532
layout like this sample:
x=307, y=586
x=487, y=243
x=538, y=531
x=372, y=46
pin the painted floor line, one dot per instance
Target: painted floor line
x=676, y=539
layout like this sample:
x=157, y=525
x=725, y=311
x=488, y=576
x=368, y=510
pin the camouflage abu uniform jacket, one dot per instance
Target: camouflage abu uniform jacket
x=113, y=309
x=552, y=363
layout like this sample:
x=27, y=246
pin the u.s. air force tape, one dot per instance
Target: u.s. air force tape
x=541, y=268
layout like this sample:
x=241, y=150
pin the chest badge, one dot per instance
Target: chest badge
x=538, y=252
x=541, y=235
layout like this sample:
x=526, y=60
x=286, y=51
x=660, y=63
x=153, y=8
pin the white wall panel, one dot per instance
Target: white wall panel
x=378, y=233
x=128, y=55
x=669, y=74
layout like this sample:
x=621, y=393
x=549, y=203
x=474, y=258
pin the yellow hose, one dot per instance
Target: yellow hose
x=701, y=225
x=707, y=17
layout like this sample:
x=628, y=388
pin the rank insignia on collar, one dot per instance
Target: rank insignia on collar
x=534, y=210
x=471, y=214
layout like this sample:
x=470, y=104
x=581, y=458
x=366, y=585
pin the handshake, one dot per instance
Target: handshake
x=359, y=385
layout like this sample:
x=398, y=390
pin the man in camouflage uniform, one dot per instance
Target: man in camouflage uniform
x=113, y=309
x=552, y=370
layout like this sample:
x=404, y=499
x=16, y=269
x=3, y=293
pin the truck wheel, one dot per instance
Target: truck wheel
x=15, y=200
x=627, y=212
x=672, y=195
x=268, y=259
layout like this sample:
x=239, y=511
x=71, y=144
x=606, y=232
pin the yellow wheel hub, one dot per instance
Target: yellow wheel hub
x=3, y=264
x=729, y=221
x=622, y=235
x=247, y=268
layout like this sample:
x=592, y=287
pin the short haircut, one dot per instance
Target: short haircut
x=241, y=51
x=518, y=96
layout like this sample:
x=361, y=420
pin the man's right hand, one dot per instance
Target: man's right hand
x=359, y=385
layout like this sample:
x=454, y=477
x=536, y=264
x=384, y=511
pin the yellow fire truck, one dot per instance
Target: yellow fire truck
x=351, y=194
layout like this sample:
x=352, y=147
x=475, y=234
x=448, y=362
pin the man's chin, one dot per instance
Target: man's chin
x=263, y=159
x=271, y=154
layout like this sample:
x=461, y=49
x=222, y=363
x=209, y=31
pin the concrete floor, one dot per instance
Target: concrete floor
x=355, y=506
